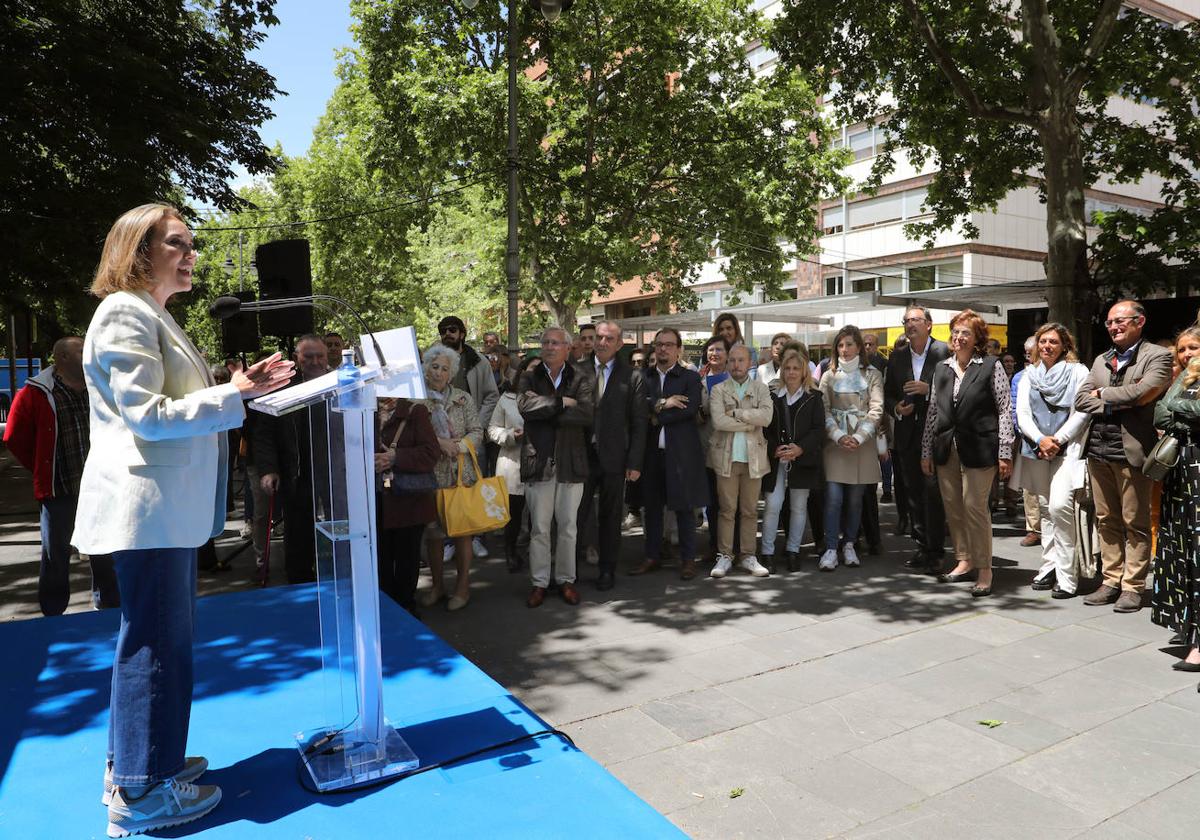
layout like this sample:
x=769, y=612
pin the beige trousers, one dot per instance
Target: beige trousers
x=1033, y=512
x=1122, y=494
x=965, y=493
x=739, y=498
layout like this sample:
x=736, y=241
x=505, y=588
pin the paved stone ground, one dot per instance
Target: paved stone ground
x=839, y=705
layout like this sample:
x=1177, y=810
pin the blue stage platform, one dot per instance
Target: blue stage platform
x=257, y=684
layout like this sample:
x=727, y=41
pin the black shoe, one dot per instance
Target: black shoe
x=980, y=591
x=1182, y=665
x=886, y=498
x=920, y=561
x=903, y=527
x=953, y=578
x=792, y=558
x=1043, y=584
x=874, y=550
x=1060, y=594
x=1178, y=639
x=605, y=581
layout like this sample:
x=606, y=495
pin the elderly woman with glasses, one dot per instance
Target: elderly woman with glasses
x=456, y=423
x=969, y=437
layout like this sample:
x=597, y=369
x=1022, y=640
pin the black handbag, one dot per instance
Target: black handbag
x=406, y=483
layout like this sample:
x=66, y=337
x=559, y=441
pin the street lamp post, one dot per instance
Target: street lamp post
x=551, y=10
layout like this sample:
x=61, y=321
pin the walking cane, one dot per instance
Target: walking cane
x=266, y=564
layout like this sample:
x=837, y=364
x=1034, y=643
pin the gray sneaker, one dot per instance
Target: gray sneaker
x=166, y=804
x=194, y=767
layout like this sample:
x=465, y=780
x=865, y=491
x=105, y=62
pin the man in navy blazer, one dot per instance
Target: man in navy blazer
x=616, y=445
x=906, y=386
x=673, y=473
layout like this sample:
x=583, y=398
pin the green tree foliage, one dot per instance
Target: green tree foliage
x=109, y=104
x=645, y=137
x=1001, y=93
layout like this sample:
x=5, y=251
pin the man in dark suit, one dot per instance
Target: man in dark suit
x=1125, y=382
x=906, y=400
x=673, y=476
x=616, y=443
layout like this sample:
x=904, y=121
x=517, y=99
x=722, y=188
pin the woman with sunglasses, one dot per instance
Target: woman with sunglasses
x=152, y=492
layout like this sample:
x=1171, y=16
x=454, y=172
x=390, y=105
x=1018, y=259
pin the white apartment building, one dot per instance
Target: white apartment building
x=866, y=267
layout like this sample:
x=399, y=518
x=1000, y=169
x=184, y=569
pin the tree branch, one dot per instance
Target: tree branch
x=949, y=68
x=1102, y=30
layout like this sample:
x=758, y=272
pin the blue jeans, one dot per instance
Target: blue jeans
x=54, y=576
x=843, y=513
x=151, y=703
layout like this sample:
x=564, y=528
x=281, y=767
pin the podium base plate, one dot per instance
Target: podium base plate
x=345, y=759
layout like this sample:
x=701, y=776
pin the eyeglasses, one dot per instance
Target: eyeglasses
x=666, y=344
x=1124, y=319
x=914, y=320
x=962, y=333
x=180, y=244
x=445, y=330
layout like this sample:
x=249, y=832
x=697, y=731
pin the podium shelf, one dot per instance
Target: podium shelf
x=338, y=530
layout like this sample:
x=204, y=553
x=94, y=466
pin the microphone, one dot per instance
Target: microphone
x=226, y=306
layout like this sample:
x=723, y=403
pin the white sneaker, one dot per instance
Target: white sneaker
x=165, y=804
x=246, y=532
x=631, y=520
x=750, y=564
x=194, y=766
x=478, y=548
x=448, y=552
x=849, y=555
x=592, y=556
x=722, y=566
x=828, y=561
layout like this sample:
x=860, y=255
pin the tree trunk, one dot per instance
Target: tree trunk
x=1067, y=274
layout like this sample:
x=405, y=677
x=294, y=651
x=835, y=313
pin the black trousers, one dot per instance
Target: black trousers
x=925, y=510
x=870, y=516
x=299, y=542
x=400, y=563
x=899, y=488
x=611, y=489
x=518, y=521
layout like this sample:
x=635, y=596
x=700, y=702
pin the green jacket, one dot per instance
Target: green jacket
x=1177, y=411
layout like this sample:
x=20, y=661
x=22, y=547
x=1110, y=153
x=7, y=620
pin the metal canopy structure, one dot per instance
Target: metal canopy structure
x=982, y=298
x=813, y=311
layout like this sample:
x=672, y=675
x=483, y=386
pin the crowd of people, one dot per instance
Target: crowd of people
x=592, y=437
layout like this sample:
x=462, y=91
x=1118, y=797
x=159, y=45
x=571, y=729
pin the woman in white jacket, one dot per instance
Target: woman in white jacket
x=1052, y=464
x=507, y=430
x=153, y=490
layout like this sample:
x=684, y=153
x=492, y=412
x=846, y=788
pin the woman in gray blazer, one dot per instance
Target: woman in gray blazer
x=153, y=490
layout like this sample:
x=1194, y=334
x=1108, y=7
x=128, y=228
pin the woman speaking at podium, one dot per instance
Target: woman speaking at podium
x=153, y=490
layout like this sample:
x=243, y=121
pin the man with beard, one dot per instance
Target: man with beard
x=476, y=378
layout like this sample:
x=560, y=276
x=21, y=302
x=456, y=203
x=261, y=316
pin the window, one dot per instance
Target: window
x=891, y=284
x=862, y=144
x=833, y=284
x=832, y=220
x=710, y=300
x=864, y=283
x=877, y=211
x=760, y=58
x=913, y=199
x=922, y=278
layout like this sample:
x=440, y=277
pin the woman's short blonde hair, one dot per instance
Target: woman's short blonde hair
x=792, y=355
x=125, y=260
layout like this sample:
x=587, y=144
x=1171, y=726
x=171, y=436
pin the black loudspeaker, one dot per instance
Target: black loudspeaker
x=284, y=270
x=239, y=333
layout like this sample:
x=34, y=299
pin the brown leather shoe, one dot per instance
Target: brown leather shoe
x=536, y=596
x=645, y=566
x=687, y=569
x=1128, y=602
x=1031, y=539
x=569, y=593
x=1104, y=595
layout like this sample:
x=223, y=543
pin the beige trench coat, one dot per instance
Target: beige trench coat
x=854, y=406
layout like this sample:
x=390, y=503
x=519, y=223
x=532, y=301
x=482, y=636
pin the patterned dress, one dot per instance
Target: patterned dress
x=1176, y=599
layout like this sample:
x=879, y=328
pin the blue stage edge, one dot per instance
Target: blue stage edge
x=258, y=683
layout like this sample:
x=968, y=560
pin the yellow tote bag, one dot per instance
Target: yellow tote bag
x=482, y=507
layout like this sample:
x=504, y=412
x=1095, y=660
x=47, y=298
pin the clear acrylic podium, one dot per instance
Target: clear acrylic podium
x=356, y=743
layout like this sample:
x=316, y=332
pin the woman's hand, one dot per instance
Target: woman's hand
x=385, y=460
x=848, y=442
x=1005, y=469
x=1048, y=448
x=449, y=447
x=927, y=466
x=263, y=377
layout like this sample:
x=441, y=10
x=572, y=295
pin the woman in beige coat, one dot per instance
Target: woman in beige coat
x=853, y=392
x=741, y=408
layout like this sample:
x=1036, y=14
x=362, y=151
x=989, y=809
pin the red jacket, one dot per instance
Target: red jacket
x=32, y=431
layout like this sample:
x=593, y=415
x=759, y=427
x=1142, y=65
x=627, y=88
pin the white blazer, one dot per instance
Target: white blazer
x=155, y=475
x=1072, y=436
